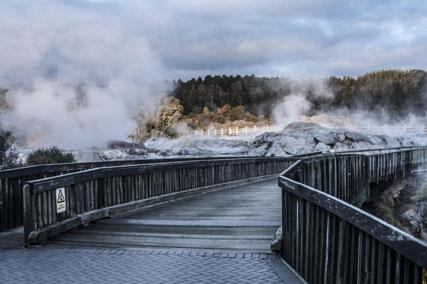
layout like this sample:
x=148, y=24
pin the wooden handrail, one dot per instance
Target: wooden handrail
x=99, y=193
x=12, y=182
x=329, y=240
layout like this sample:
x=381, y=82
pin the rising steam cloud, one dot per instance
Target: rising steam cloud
x=381, y=120
x=295, y=105
x=76, y=77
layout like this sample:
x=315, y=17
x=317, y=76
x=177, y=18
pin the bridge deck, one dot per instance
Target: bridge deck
x=242, y=218
x=218, y=237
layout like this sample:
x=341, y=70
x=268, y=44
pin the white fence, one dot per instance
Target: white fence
x=235, y=131
x=241, y=131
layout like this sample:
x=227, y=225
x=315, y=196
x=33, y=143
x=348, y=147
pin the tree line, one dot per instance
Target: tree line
x=397, y=91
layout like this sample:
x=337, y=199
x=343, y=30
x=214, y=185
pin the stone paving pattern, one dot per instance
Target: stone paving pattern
x=137, y=266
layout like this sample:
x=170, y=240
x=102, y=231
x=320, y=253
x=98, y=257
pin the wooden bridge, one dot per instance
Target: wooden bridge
x=226, y=204
x=241, y=219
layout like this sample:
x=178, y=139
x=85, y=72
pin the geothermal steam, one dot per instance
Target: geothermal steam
x=76, y=77
x=297, y=104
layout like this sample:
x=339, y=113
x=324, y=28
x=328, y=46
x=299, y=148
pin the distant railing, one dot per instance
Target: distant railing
x=235, y=131
x=12, y=183
x=422, y=128
x=241, y=131
x=102, y=192
x=328, y=239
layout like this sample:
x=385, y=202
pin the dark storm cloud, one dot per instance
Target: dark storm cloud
x=285, y=38
x=308, y=38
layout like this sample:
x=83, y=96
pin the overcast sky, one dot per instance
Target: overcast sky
x=184, y=39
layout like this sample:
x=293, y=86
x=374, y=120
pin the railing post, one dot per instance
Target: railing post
x=28, y=214
x=3, y=218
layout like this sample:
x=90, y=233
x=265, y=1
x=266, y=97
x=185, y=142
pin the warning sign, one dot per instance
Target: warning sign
x=60, y=200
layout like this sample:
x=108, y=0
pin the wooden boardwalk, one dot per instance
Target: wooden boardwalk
x=242, y=218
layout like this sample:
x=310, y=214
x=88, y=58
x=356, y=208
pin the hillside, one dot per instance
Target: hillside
x=399, y=92
x=396, y=91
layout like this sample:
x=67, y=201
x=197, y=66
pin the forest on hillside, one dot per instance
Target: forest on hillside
x=398, y=92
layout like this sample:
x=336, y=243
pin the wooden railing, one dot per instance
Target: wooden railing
x=328, y=239
x=12, y=183
x=102, y=192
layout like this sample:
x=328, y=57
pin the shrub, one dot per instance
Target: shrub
x=237, y=113
x=50, y=155
x=421, y=193
x=8, y=155
x=386, y=214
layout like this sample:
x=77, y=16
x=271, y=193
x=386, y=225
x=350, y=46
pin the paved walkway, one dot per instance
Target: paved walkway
x=139, y=266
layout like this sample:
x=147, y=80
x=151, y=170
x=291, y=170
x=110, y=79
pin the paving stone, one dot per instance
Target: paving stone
x=131, y=266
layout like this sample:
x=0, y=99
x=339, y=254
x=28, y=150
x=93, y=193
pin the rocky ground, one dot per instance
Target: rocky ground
x=296, y=138
x=301, y=138
x=403, y=203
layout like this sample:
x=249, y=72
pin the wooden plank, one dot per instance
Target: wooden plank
x=359, y=274
x=380, y=264
x=340, y=245
x=367, y=267
x=373, y=261
x=322, y=240
x=388, y=265
x=334, y=238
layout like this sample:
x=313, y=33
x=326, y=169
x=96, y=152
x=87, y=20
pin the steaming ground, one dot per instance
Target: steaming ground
x=295, y=139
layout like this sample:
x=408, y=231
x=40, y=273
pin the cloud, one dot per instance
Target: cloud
x=261, y=37
x=266, y=37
